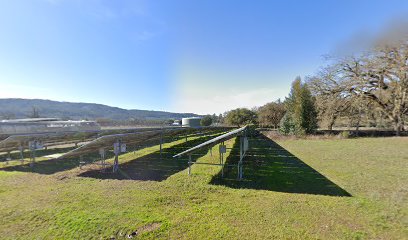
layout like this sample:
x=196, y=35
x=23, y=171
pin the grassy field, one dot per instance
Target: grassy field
x=292, y=189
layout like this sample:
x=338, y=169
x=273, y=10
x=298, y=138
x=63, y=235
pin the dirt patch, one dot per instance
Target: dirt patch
x=274, y=135
x=144, y=229
x=149, y=227
x=77, y=171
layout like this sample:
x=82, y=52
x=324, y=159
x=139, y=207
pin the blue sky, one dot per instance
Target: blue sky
x=183, y=56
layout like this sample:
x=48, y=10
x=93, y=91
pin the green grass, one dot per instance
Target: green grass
x=292, y=189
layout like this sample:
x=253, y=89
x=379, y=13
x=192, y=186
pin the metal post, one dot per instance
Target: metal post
x=116, y=161
x=240, y=172
x=81, y=161
x=32, y=152
x=103, y=163
x=222, y=166
x=240, y=158
x=220, y=156
x=161, y=143
x=21, y=148
x=222, y=159
x=8, y=158
x=240, y=148
x=189, y=164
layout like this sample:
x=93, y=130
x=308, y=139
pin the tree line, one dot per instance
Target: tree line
x=296, y=115
x=370, y=86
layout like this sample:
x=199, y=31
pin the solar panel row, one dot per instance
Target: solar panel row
x=98, y=141
x=243, y=147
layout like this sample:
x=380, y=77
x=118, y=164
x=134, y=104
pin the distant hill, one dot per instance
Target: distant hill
x=23, y=108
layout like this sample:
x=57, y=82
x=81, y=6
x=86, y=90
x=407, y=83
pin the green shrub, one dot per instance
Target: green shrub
x=345, y=134
x=286, y=125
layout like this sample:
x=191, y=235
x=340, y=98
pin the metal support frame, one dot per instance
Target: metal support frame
x=243, y=147
x=221, y=164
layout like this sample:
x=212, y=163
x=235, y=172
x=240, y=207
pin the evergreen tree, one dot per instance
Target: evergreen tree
x=309, y=113
x=301, y=117
x=286, y=125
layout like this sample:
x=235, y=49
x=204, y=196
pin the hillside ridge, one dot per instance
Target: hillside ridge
x=23, y=108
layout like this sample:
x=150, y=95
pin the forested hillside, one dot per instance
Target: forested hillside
x=23, y=108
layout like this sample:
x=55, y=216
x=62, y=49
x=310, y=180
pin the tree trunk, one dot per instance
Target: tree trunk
x=330, y=127
x=358, y=122
x=397, y=125
x=331, y=123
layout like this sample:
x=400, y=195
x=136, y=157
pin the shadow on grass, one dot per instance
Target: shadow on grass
x=268, y=166
x=151, y=167
x=39, y=153
x=44, y=166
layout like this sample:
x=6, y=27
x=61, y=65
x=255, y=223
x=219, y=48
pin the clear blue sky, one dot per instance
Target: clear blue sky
x=197, y=56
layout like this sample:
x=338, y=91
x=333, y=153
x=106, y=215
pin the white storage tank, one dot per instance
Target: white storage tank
x=191, y=122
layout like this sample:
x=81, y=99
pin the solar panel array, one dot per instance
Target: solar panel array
x=138, y=137
x=100, y=141
x=107, y=141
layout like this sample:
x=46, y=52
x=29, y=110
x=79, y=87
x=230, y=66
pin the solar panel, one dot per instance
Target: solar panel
x=14, y=142
x=107, y=141
x=117, y=141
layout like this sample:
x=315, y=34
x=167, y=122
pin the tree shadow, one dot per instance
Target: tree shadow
x=268, y=166
x=151, y=167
